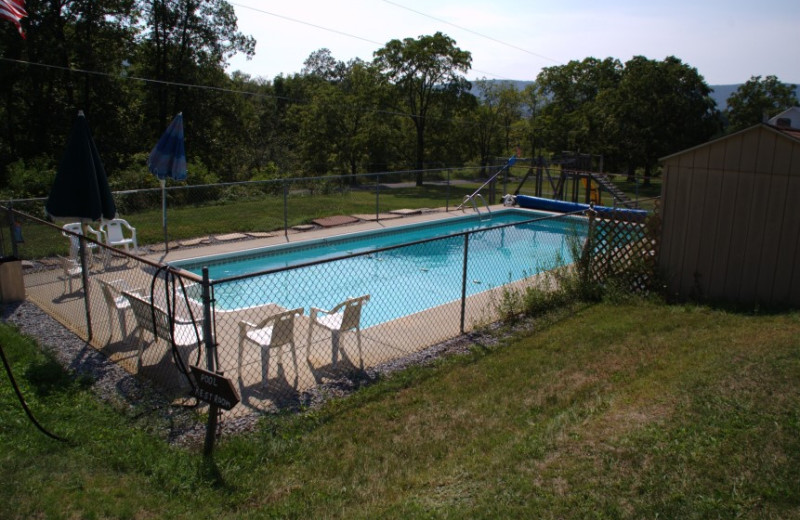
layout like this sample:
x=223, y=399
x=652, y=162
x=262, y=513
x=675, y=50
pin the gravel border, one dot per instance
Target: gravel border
x=110, y=382
x=180, y=425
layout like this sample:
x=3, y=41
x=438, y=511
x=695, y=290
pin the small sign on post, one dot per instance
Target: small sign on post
x=214, y=389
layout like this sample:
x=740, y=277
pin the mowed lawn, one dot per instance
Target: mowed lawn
x=635, y=410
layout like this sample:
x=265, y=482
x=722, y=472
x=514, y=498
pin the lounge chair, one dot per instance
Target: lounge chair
x=346, y=316
x=156, y=321
x=116, y=301
x=274, y=332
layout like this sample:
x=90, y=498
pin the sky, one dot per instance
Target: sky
x=726, y=41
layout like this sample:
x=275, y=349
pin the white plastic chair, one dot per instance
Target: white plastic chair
x=74, y=240
x=118, y=233
x=72, y=269
x=346, y=316
x=116, y=301
x=274, y=332
x=154, y=319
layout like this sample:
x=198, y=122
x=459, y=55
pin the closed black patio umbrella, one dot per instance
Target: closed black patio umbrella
x=80, y=191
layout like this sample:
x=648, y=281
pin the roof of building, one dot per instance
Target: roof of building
x=790, y=133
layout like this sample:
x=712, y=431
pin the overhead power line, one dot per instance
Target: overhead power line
x=295, y=20
x=147, y=80
x=501, y=42
x=379, y=44
x=183, y=85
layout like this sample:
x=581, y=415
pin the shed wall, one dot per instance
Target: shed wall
x=731, y=219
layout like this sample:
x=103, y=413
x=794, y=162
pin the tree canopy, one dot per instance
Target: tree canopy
x=759, y=98
x=426, y=71
x=131, y=65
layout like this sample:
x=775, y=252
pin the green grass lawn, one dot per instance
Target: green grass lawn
x=637, y=410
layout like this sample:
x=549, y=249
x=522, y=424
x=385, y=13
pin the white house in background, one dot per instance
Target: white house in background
x=789, y=118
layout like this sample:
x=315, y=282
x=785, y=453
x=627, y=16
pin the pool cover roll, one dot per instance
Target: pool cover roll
x=561, y=206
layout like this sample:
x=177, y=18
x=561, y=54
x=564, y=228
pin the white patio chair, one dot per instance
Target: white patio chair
x=72, y=269
x=118, y=233
x=74, y=241
x=346, y=316
x=154, y=319
x=274, y=332
x=116, y=301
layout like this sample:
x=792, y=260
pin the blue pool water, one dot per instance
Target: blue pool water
x=400, y=281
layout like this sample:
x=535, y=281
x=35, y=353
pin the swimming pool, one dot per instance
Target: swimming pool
x=403, y=280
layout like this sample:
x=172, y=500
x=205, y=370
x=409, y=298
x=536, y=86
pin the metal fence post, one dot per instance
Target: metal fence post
x=447, y=200
x=286, y=209
x=208, y=335
x=464, y=281
x=377, y=198
x=85, y=280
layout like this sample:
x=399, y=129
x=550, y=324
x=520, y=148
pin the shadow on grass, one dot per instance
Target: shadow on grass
x=47, y=377
x=209, y=472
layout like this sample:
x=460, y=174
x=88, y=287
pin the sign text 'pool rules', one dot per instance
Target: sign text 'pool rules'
x=214, y=388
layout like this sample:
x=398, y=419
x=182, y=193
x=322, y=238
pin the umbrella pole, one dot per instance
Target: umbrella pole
x=164, y=212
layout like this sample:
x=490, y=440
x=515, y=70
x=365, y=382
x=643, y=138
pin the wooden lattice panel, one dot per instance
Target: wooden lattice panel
x=625, y=249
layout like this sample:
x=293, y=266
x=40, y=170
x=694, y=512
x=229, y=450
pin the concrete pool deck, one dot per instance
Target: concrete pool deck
x=208, y=246
x=380, y=343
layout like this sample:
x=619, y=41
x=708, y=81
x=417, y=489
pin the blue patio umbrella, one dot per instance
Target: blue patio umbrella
x=168, y=160
x=80, y=191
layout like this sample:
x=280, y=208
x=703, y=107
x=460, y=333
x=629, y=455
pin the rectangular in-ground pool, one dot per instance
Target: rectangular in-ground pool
x=509, y=246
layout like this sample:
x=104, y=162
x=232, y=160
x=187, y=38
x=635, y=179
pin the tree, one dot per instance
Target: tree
x=758, y=98
x=426, y=71
x=658, y=108
x=40, y=100
x=337, y=119
x=322, y=64
x=570, y=118
x=499, y=107
x=182, y=37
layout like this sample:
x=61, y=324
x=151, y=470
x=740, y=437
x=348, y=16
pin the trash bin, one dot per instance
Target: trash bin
x=12, y=285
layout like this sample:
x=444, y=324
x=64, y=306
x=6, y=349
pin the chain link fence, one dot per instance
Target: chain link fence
x=197, y=214
x=285, y=322
x=282, y=333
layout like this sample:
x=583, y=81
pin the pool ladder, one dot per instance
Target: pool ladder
x=471, y=199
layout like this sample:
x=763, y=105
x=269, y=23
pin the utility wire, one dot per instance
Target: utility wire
x=335, y=31
x=193, y=86
x=349, y=35
x=501, y=42
x=149, y=80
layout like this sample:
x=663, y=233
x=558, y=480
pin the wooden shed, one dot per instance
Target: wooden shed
x=731, y=218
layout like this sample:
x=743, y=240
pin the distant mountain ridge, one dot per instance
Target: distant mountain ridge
x=720, y=93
